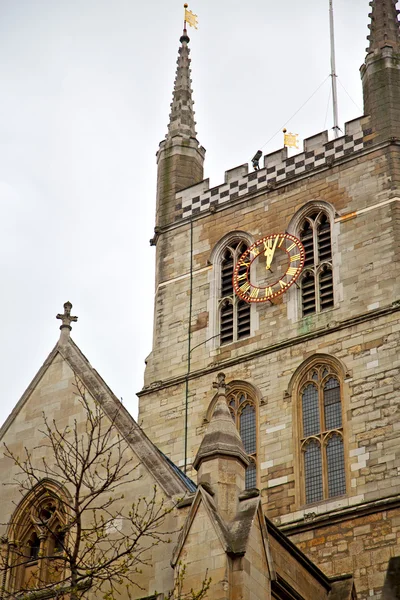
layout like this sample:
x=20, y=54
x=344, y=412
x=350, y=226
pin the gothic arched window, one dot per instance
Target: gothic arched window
x=234, y=313
x=243, y=411
x=37, y=541
x=316, y=282
x=321, y=438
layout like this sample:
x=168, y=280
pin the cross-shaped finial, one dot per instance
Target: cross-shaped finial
x=66, y=318
x=220, y=384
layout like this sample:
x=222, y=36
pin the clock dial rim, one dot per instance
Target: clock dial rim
x=244, y=261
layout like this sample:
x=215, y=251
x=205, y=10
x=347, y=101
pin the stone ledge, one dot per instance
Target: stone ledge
x=295, y=341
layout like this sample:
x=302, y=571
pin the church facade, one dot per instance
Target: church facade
x=269, y=416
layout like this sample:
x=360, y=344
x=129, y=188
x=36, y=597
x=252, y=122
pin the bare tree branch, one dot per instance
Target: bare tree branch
x=87, y=537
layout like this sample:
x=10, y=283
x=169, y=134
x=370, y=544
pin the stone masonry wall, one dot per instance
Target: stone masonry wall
x=365, y=248
x=361, y=545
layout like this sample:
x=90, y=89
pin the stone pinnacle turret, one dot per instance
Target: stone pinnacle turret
x=182, y=115
x=384, y=26
x=180, y=157
x=380, y=72
x=221, y=460
x=222, y=437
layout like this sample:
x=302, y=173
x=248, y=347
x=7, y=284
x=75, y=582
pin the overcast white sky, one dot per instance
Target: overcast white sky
x=85, y=92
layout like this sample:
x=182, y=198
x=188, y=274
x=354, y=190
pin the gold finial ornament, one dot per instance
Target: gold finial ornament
x=190, y=17
x=290, y=140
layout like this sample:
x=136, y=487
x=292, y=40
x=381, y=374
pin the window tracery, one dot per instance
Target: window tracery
x=243, y=410
x=37, y=538
x=316, y=282
x=230, y=318
x=321, y=437
x=234, y=313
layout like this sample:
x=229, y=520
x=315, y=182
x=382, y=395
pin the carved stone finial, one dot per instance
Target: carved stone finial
x=66, y=318
x=220, y=384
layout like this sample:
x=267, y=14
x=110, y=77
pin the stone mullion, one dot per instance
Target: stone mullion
x=322, y=439
x=42, y=563
x=315, y=265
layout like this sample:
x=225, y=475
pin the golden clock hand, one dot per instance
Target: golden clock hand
x=268, y=252
x=271, y=254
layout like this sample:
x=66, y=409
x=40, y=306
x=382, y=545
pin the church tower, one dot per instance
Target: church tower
x=287, y=279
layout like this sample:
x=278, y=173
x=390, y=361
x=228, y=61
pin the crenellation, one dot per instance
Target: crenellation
x=278, y=167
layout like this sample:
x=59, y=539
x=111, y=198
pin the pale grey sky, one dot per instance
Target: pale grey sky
x=85, y=91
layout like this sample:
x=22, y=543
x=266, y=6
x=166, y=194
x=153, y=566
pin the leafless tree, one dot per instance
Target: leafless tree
x=98, y=540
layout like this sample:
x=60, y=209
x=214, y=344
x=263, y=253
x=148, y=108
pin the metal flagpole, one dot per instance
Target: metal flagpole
x=336, y=128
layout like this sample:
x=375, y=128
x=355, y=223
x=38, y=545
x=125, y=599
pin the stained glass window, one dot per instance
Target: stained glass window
x=322, y=434
x=243, y=410
x=313, y=472
x=335, y=461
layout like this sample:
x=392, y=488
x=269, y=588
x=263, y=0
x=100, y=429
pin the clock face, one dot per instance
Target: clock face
x=268, y=268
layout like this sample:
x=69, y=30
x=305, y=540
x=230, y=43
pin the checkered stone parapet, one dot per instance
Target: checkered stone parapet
x=277, y=169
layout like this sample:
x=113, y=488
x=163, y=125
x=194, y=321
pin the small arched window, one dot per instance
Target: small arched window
x=234, y=313
x=243, y=411
x=37, y=538
x=321, y=438
x=316, y=282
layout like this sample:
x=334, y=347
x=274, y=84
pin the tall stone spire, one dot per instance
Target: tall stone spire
x=180, y=157
x=182, y=115
x=384, y=26
x=380, y=72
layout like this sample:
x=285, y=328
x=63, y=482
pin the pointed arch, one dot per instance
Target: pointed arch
x=319, y=285
x=317, y=391
x=36, y=536
x=231, y=319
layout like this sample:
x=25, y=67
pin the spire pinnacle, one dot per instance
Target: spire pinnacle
x=384, y=26
x=182, y=121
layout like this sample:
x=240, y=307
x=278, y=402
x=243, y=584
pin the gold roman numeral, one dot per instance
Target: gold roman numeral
x=254, y=253
x=291, y=271
x=243, y=288
x=281, y=242
x=268, y=292
x=242, y=276
x=268, y=244
x=291, y=247
x=254, y=292
x=295, y=257
x=244, y=264
x=282, y=284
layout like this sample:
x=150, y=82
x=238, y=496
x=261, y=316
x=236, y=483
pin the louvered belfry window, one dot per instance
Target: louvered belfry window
x=316, y=283
x=234, y=313
x=322, y=435
x=243, y=412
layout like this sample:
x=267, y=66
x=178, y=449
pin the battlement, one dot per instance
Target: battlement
x=317, y=152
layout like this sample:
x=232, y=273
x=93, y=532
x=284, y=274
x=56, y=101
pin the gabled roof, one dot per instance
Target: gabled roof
x=234, y=536
x=167, y=475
